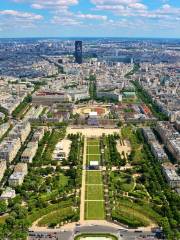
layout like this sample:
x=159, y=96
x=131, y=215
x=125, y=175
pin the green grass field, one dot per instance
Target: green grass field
x=93, y=142
x=56, y=217
x=125, y=181
x=93, y=158
x=93, y=177
x=131, y=216
x=94, y=192
x=93, y=149
x=94, y=210
x=94, y=195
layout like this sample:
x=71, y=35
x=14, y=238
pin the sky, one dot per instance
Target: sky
x=90, y=18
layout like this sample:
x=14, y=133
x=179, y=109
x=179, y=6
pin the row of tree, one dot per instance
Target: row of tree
x=114, y=157
x=165, y=201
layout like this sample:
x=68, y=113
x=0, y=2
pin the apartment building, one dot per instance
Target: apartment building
x=38, y=134
x=50, y=97
x=110, y=95
x=21, y=130
x=16, y=179
x=148, y=134
x=18, y=175
x=158, y=151
x=177, y=125
x=3, y=168
x=3, y=128
x=156, y=148
x=29, y=153
x=21, y=167
x=173, y=146
x=171, y=176
x=170, y=137
x=8, y=193
x=9, y=148
x=166, y=131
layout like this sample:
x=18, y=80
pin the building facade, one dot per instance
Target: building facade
x=78, y=52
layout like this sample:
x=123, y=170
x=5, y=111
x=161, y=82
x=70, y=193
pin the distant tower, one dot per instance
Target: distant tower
x=78, y=52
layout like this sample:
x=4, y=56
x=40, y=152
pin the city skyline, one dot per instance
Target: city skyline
x=92, y=18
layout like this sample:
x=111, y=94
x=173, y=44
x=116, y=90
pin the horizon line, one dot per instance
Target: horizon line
x=100, y=37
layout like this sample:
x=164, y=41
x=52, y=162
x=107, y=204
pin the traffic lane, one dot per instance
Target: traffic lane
x=136, y=235
x=123, y=234
x=96, y=228
x=66, y=235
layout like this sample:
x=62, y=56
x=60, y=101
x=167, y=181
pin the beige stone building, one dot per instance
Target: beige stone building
x=3, y=168
x=29, y=153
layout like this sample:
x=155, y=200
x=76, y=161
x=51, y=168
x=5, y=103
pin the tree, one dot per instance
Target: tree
x=3, y=206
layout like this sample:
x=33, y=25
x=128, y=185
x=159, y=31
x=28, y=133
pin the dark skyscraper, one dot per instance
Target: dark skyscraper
x=78, y=52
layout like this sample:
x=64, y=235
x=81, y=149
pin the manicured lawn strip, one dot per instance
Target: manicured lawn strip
x=93, y=177
x=94, y=192
x=92, y=142
x=123, y=181
x=57, y=217
x=93, y=150
x=137, y=210
x=38, y=213
x=93, y=158
x=129, y=218
x=94, y=210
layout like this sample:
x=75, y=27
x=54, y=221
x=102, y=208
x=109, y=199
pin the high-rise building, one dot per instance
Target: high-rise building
x=78, y=52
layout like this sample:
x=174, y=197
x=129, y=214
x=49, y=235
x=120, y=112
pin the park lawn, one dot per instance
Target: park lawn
x=124, y=180
x=93, y=142
x=130, y=100
x=94, y=192
x=93, y=158
x=93, y=149
x=38, y=213
x=56, y=217
x=94, y=210
x=131, y=216
x=93, y=177
x=62, y=183
x=134, y=212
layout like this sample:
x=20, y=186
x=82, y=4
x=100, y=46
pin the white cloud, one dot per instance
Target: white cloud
x=92, y=17
x=64, y=21
x=129, y=14
x=49, y=4
x=113, y=2
x=24, y=15
x=134, y=8
x=67, y=18
x=120, y=7
x=138, y=6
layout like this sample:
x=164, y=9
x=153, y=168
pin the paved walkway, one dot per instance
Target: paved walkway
x=83, y=187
